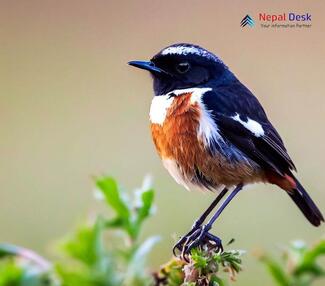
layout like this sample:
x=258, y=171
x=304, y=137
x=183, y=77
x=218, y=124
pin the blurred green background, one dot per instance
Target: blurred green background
x=70, y=108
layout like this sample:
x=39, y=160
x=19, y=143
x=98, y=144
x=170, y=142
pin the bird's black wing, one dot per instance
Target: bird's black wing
x=243, y=123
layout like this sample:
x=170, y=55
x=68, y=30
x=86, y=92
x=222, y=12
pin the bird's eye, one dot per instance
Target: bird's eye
x=183, y=67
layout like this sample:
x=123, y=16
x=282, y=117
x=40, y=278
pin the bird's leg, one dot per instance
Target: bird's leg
x=202, y=235
x=199, y=221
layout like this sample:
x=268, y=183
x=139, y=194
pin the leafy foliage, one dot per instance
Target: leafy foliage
x=128, y=217
x=93, y=255
x=20, y=266
x=299, y=266
x=94, y=262
x=106, y=251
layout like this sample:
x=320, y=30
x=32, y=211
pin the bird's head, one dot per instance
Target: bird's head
x=182, y=66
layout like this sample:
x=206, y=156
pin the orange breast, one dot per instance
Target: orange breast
x=177, y=139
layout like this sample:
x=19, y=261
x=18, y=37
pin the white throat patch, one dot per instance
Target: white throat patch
x=159, y=107
x=160, y=104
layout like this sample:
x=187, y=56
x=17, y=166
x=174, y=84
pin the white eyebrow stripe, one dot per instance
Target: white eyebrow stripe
x=252, y=125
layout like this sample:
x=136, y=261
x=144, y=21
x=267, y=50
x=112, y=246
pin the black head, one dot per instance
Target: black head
x=183, y=66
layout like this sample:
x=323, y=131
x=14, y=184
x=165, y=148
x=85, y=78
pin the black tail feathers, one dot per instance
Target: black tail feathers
x=306, y=204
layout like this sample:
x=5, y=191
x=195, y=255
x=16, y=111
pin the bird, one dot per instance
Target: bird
x=213, y=134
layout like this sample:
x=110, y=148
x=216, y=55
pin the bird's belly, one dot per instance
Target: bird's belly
x=187, y=159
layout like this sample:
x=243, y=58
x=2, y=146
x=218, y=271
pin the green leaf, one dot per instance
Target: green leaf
x=200, y=262
x=308, y=261
x=91, y=263
x=81, y=275
x=21, y=272
x=109, y=188
x=114, y=223
x=172, y=272
x=10, y=273
x=86, y=244
x=276, y=271
x=8, y=250
x=143, y=210
x=216, y=281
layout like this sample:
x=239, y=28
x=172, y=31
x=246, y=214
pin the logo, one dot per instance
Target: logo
x=284, y=17
x=247, y=20
x=278, y=21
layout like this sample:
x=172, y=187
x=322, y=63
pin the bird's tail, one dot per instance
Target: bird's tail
x=304, y=202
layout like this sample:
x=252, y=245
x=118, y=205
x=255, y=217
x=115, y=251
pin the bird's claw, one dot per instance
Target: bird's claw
x=196, y=237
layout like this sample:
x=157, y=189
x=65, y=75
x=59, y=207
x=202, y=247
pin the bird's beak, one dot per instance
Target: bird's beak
x=149, y=66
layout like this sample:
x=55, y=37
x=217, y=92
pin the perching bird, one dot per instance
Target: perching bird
x=212, y=133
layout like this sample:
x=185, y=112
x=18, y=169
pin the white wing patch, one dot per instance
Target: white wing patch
x=159, y=108
x=251, y=125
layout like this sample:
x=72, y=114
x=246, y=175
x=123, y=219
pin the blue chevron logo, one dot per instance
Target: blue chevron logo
x=247, y=20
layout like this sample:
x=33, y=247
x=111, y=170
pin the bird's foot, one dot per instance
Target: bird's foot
x=196, y=237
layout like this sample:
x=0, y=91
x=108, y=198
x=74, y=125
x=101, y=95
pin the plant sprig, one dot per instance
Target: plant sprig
x=205, y=267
